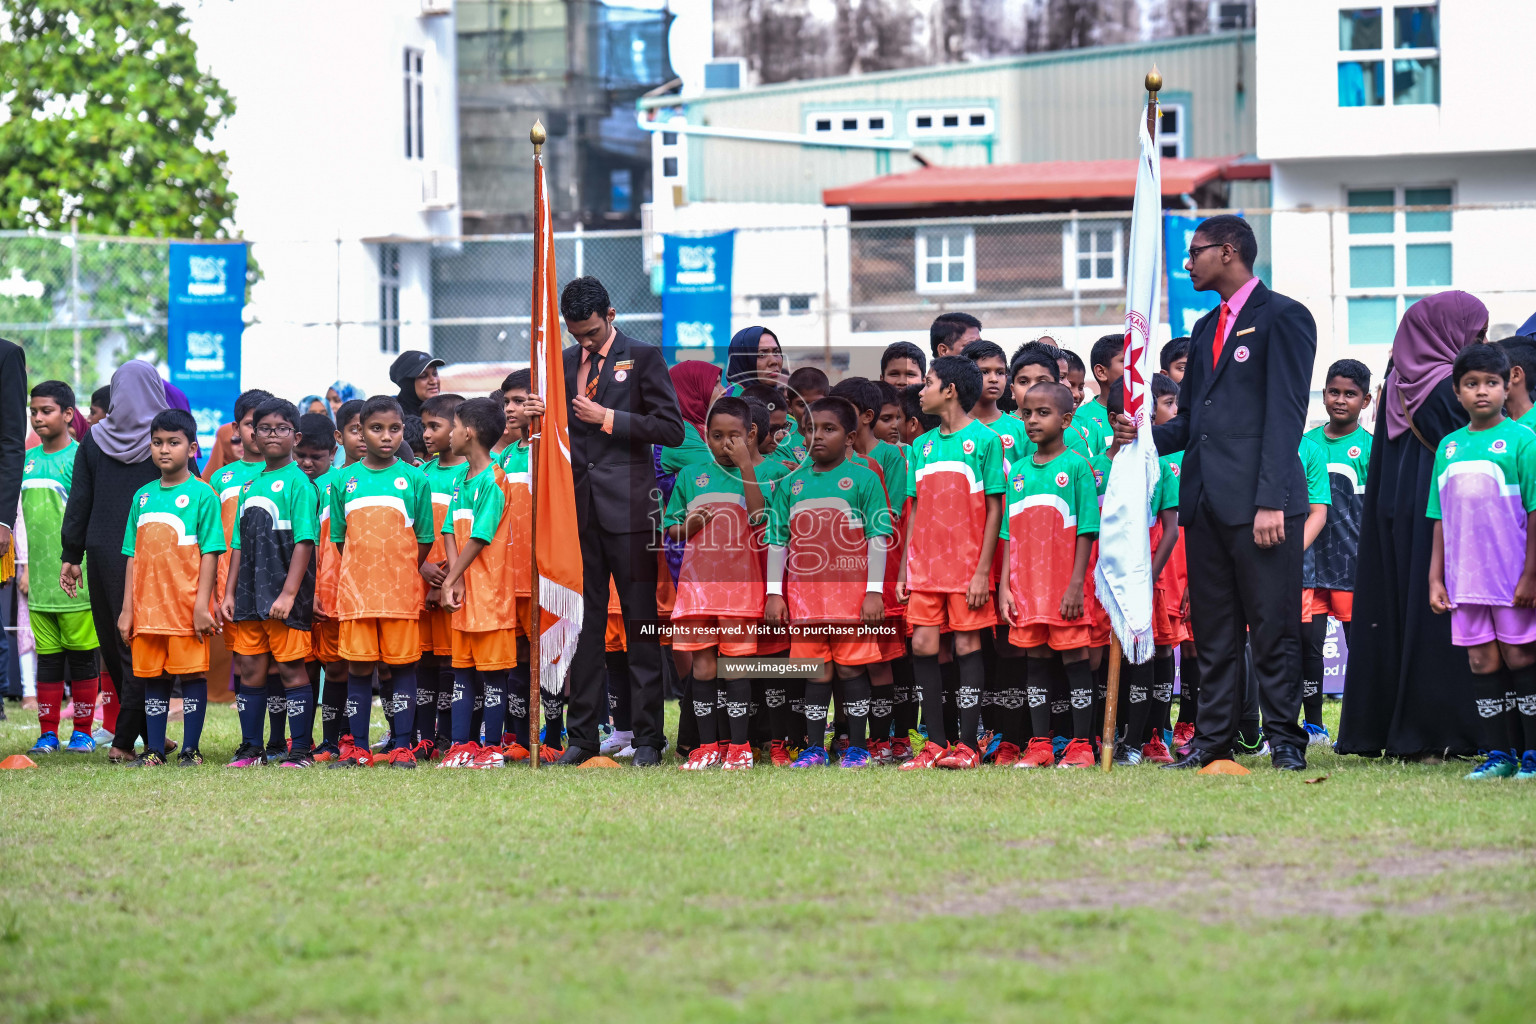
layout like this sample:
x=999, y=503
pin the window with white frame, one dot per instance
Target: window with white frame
x=1092, y=254
x=1389, y=55
x=869, y=123
x=952, y=121
x=415, y=99
x=783, y=305
x=946, y=260
x=1171, y=131
x=389, y=298
x=1396, y=257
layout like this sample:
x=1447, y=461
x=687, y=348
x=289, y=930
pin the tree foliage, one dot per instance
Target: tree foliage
x=106, y=121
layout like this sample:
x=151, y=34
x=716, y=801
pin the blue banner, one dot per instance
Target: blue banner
x=206, y=318
x=1185, y=305
x=696, y=296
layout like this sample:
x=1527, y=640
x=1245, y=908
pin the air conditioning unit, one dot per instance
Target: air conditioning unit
x=433, y=8
x=439, y=188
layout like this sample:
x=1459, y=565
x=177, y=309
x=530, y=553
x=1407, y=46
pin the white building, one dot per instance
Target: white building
x=1376, y=103
x=345, y=135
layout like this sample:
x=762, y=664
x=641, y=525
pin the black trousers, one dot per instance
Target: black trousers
x=1240, y=592
x=105, y=569
x=630, y=558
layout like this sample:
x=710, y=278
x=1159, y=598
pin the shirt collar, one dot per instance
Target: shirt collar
x=1239, y=297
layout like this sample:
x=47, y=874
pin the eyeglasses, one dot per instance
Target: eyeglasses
x=1196, y=250
x=281, y=430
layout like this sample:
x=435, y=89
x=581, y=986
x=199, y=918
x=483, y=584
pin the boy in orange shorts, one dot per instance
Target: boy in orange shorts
x=168, y=586
x=955, y=477
x=720, y=585
x=268, y=605
x=1053, y=510
x=478, y=585
x=829, y=528
x=434, y=681
x=520, y=407
x=381, y=521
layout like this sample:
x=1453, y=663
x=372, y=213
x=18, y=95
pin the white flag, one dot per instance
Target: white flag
x=1124, y=577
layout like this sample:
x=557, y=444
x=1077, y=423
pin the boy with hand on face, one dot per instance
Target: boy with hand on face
x=269, y=608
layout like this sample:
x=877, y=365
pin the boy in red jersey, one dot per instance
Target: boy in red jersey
x=478, y=585
x=720, y=587
x=828, y=530
x=955, y=477
x=434, y=680
x=1053, y=519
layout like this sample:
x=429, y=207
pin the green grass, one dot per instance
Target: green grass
x=1387, y=892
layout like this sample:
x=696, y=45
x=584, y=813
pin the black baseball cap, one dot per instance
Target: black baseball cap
x=410, y=365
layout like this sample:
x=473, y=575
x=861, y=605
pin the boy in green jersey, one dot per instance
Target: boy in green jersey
x=1108, y=361
x=61, y=624
x=434, y=679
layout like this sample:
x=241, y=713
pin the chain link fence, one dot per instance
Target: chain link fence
x=833, y=291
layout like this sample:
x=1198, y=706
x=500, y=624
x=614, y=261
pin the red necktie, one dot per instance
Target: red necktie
x=1221, y=334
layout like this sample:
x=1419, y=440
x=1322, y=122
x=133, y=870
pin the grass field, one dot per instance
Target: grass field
x=1386, y=892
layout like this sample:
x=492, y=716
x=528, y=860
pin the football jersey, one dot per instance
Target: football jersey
x=693, y=449
x=1484, y=486
x=380, y=515
x=1337, y=548
x=515, y=464
x=1093, y=418
x=278, y=511
x=1016, y=445
x=824, y=520
x=327, y=561
x=1049, y=507
x=227, y=483
x=169, y=531
x=442, y=480
x=721, y=572
x=479, y=512
x=949, y=477
x=45, y=482
x=889, y=463
x=1175, y=577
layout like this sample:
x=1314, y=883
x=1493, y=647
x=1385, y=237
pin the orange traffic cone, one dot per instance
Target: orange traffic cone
x=1223, y=768
x=18, y=761
x=600, y=762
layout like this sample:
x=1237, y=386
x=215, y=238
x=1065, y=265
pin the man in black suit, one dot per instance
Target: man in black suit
x=1242, y=493
x=621, y=403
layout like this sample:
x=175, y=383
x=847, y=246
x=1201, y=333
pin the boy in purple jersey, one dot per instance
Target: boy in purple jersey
x=1484, y=505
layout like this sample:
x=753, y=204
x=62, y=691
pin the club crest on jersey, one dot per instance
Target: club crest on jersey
x=1450, y=449
x=31, y=464
x=1497, y=447
x=1098, y=479
x=846, y=483
x=1061, y=479
x=1018, y=484
x=143, y=500
x=969, y=447
x=1354, y=452
x=351, y=485
x=1173, y=467
x=1007, y=441
x=702, y=480
x=927, y=449
x=182, y=501
x=1241, y=355
x=796, y=487
x=277, y=487
x=400, y=483
x=229, y=475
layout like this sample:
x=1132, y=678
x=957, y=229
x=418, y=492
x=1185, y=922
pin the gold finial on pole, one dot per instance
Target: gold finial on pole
x=1154, y=84
x=537, y=135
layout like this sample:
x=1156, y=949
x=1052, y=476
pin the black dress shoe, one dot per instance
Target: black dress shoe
x=1196, y=758
x=574, y=756
x=1287, y=758
x=646, y=757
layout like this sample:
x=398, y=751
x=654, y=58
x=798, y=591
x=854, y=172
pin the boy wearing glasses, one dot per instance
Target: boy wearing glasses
x=269, y=606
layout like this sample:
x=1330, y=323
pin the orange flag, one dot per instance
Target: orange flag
x=557, y=544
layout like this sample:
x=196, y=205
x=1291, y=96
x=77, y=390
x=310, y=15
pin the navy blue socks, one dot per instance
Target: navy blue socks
x=157, y=707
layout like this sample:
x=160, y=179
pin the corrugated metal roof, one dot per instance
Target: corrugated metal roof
x=1060, y=179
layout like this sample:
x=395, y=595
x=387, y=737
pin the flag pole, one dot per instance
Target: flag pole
x=537, y=136
x=1154, y=84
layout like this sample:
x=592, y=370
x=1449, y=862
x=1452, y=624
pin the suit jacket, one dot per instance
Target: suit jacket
x=13, y=428
x=1240, y=423
x=615, y=478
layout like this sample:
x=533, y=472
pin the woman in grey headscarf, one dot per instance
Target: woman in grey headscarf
x=111, y=464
